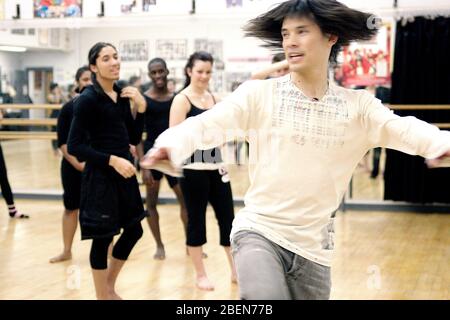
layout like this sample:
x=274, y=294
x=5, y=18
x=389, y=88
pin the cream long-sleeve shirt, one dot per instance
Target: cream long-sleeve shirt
x=302, y=154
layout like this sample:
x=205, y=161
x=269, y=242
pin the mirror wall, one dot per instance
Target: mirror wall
x=54, y=54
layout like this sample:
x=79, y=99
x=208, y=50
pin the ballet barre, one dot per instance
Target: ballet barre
x=27, y=135
x=27, y=122
x=423, y=107
x=391, y=106
x=30, y=135
x=31, y=106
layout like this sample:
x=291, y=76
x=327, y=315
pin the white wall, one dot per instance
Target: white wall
x=222, y=27
x=8, y=63
x=251, y=55
x=10, y=39
x=234, y=43
x=234, y=46
x=64, y=64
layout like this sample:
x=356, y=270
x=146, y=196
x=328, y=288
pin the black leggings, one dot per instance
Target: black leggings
x=122, y=249
x=200, y=187
x=4, y=183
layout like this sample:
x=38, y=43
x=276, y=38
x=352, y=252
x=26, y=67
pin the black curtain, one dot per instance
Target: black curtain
x=421, y=76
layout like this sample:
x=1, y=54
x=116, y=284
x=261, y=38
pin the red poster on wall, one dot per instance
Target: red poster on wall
x=57, y=8
x=366, y=63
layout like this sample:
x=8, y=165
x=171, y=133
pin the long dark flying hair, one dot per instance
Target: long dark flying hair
x=93, y=54
x=331, y=16
x=199, y=55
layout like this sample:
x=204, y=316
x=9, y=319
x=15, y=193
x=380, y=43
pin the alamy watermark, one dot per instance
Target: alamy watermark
x=374, y=22
x=374, y=279
x=73, y=277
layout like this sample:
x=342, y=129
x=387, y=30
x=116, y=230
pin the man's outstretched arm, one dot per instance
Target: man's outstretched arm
x=223, y=123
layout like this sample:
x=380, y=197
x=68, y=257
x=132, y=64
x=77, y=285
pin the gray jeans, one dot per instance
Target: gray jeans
x=267, y=271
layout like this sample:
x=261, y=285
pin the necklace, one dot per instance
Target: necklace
x=203, y=97
x=297, y=83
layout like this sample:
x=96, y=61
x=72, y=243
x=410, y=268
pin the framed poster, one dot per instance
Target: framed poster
x=215, y=48
x=169, y=49
x=133, y=50
x=233, y=3
x=366, y=63
x=147, y=4
x=136, y=6
x=129, y=6
x=57, y=8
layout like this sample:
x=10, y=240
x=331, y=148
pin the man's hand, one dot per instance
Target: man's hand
x=441, y=161
x=154, y=156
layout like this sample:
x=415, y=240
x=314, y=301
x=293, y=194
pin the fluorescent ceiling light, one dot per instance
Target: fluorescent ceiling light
x=12, y=49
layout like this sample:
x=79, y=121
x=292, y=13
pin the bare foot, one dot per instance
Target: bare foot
x=62, y=257
x=114, y=296
x=203, y=283
x=204, y=255
x=160, y=254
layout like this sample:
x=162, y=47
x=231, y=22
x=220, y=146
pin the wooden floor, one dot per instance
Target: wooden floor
x=379, y=255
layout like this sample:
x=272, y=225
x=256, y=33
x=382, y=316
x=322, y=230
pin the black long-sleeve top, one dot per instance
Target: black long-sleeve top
x=64, y=121
x=110, y=127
